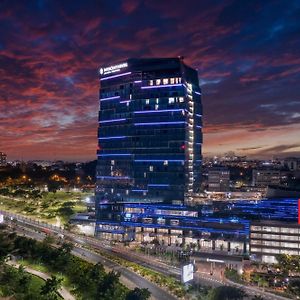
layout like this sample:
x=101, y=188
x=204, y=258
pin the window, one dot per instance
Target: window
x=147, y=220
x=165, y=163
x=165, y=81
x=181, y=99
x=158, y=81
x=147, y=101
x=174, y=222
x=171, y=100
x=172, y=80
x=151, y=82
x=161, y=221
x=151, y=168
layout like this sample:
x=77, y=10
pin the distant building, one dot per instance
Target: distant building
x=292, y=163
x=3, y=158
x=218, y=179
x=265, y=177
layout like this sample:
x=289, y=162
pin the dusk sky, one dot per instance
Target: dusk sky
x=247, y=54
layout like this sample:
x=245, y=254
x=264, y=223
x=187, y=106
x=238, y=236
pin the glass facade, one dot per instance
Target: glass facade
x=150, y=132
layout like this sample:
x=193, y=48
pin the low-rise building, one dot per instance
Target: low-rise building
x=270, y=238
x=3, y=158
x=265, y=177
x=218, y=179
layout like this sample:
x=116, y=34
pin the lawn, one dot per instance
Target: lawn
x=55, y=208
x=45, y=269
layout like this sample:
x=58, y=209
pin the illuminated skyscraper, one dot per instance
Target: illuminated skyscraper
x=150, y=131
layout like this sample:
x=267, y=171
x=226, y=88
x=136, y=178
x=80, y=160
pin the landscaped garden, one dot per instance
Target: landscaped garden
x=85, y=280
x=52, y=207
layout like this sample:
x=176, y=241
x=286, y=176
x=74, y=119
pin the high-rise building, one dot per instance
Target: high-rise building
x=150, y=131
x=3, y=158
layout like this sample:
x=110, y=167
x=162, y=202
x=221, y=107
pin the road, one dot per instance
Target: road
x=128, y=277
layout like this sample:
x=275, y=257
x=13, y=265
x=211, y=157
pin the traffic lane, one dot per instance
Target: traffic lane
x=138, y=281
x=203, y=280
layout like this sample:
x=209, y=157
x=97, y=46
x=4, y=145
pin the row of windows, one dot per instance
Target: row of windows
x=164, y=81
x=275, y=251
x=275, y=229
x=276, y=244
x=160, y=221
x=274, y=237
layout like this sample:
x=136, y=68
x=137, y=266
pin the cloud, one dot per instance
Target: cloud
x=50, y=51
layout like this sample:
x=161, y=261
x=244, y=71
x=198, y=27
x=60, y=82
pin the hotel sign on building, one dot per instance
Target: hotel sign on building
x=113, y=69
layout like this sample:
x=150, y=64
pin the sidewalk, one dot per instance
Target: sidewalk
x=63, y=292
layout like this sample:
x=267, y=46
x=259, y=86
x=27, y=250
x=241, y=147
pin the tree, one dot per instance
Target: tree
x=294, y=287
x=24, y=282
x=109, y=287
x=50, y=287
x=48, y=240
x=227, y=293
x=138, y=294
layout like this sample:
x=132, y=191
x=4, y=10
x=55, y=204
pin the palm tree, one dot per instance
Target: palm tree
x=51, y=286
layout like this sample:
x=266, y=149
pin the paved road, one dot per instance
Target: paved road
x=128, y=277
x=62, y=291
x=141, y=259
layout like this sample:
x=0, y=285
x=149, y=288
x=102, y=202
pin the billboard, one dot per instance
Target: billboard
x=187, y=273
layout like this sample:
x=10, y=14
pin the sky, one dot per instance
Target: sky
x=247, y=54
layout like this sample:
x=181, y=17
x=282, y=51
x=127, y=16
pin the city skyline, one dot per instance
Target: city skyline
x=248, y=65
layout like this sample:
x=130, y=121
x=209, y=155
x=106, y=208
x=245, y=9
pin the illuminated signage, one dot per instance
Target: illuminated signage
x=187, y=273
x=299, y=211
x=113, y=69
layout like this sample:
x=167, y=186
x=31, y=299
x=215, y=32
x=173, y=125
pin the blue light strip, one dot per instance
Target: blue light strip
x=158, y=185
x=125, y=101
x=161, y=86
x=157, y=111
x=139, y=191
x=113, y=177
x=159, y=123
x=112, y=137
x=115, y=76
x=198, y=126
x=110, y=98
x=159, y=160
x=198, y=93
x=198, y=115
x=137, y=81
x=111, y=121
x=114, y=154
